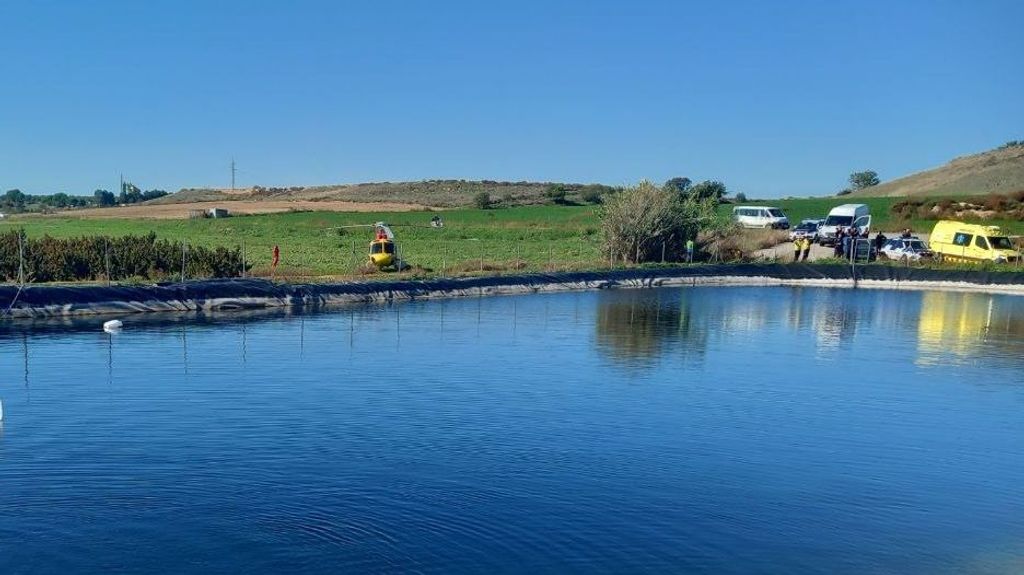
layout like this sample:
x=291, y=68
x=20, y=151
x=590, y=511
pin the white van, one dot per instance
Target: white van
x=760, y=217
x=844, y=216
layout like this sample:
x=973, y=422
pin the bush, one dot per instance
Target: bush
x=482, y=201
x=592, y=194
x=49, y=259
x=639, y=222
x=995, y=202
x=556, y=193
x=741, y=197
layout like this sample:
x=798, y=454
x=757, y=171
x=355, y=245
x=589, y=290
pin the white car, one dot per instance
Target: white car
x=806, y=229
x=905, y=249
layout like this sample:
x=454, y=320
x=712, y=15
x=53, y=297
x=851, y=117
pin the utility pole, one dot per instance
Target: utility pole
x=233, y=170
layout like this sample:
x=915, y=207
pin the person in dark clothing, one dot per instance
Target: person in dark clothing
x=838, y=250
x=880, y=240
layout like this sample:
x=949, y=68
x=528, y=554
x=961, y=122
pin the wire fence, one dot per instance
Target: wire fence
x=444, y=257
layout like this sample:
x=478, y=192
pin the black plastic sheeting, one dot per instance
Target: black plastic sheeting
x=236, y=294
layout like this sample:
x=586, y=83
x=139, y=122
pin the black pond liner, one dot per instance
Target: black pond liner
x=249, y=294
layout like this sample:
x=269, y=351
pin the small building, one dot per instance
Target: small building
x=217, y=213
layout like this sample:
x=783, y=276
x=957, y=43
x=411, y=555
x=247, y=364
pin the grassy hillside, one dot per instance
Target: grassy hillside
x=428, y=193
x=999, y=171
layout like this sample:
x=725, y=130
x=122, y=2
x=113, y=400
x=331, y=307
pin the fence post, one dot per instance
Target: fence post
x=243, y=259
x=106, y=257
x=21, y=258
x=183, y=248
x=663, y=251
x=444, y=258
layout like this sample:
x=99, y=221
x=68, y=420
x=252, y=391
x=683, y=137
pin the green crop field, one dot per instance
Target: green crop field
x=311, y=244
x=533, y=238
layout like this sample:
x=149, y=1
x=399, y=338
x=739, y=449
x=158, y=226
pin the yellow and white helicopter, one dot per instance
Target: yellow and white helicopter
x=383, y=252
x=383, y=249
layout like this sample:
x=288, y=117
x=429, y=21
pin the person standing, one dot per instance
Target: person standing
x=807, y=249
x=837, y=251
x=798, y=245
x=689, y=251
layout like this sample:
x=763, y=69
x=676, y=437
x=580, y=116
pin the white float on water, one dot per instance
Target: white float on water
x=112, y=325
x=1, y=410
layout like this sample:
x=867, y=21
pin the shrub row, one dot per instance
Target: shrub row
x=994, y=206
x=49, y=259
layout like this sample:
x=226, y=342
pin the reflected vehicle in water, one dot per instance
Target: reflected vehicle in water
x=905, y=250
x=965, y=325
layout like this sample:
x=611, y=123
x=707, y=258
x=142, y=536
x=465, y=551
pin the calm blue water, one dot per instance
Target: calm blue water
x=708, y=430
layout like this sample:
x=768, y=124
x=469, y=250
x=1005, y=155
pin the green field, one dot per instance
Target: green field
x=543, y=237
x=535, y=238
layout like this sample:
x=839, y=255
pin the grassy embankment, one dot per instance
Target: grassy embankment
x=523, y=238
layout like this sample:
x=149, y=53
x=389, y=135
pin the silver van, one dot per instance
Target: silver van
x=760, y=217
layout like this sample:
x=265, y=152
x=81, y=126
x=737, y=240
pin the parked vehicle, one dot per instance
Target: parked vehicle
x=806, y=229
x=960, y=242
x=905, y=249
x=760, y=217
x=844, y=216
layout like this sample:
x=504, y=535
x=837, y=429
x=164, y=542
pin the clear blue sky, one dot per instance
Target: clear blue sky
x=774, y=98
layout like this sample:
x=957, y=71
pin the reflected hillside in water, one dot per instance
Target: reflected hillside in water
x=966, y=326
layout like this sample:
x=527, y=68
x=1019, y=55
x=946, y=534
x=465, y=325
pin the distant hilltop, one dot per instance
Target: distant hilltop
x=999, y=171
x=427, y=193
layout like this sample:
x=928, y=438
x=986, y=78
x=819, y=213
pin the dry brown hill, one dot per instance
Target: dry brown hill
x=429, y=193
x=999, y=171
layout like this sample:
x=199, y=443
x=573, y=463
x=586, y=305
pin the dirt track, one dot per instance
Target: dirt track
x=181, y=211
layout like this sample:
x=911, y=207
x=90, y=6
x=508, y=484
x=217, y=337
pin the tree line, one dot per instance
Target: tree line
x=17, y=201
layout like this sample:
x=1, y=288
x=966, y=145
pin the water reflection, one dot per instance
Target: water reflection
x=964, y=326
x=633, y=327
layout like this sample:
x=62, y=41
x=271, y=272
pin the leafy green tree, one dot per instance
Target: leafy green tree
x=741, y=197
x=708, y=189
x=678, y=185
x=14, y=199
x=58, y=200
x=865, y=179
x=104, y=198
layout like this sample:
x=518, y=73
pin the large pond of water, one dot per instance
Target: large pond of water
x=702, y=430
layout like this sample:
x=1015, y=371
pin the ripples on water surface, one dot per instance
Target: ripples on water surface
x=735, y=430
